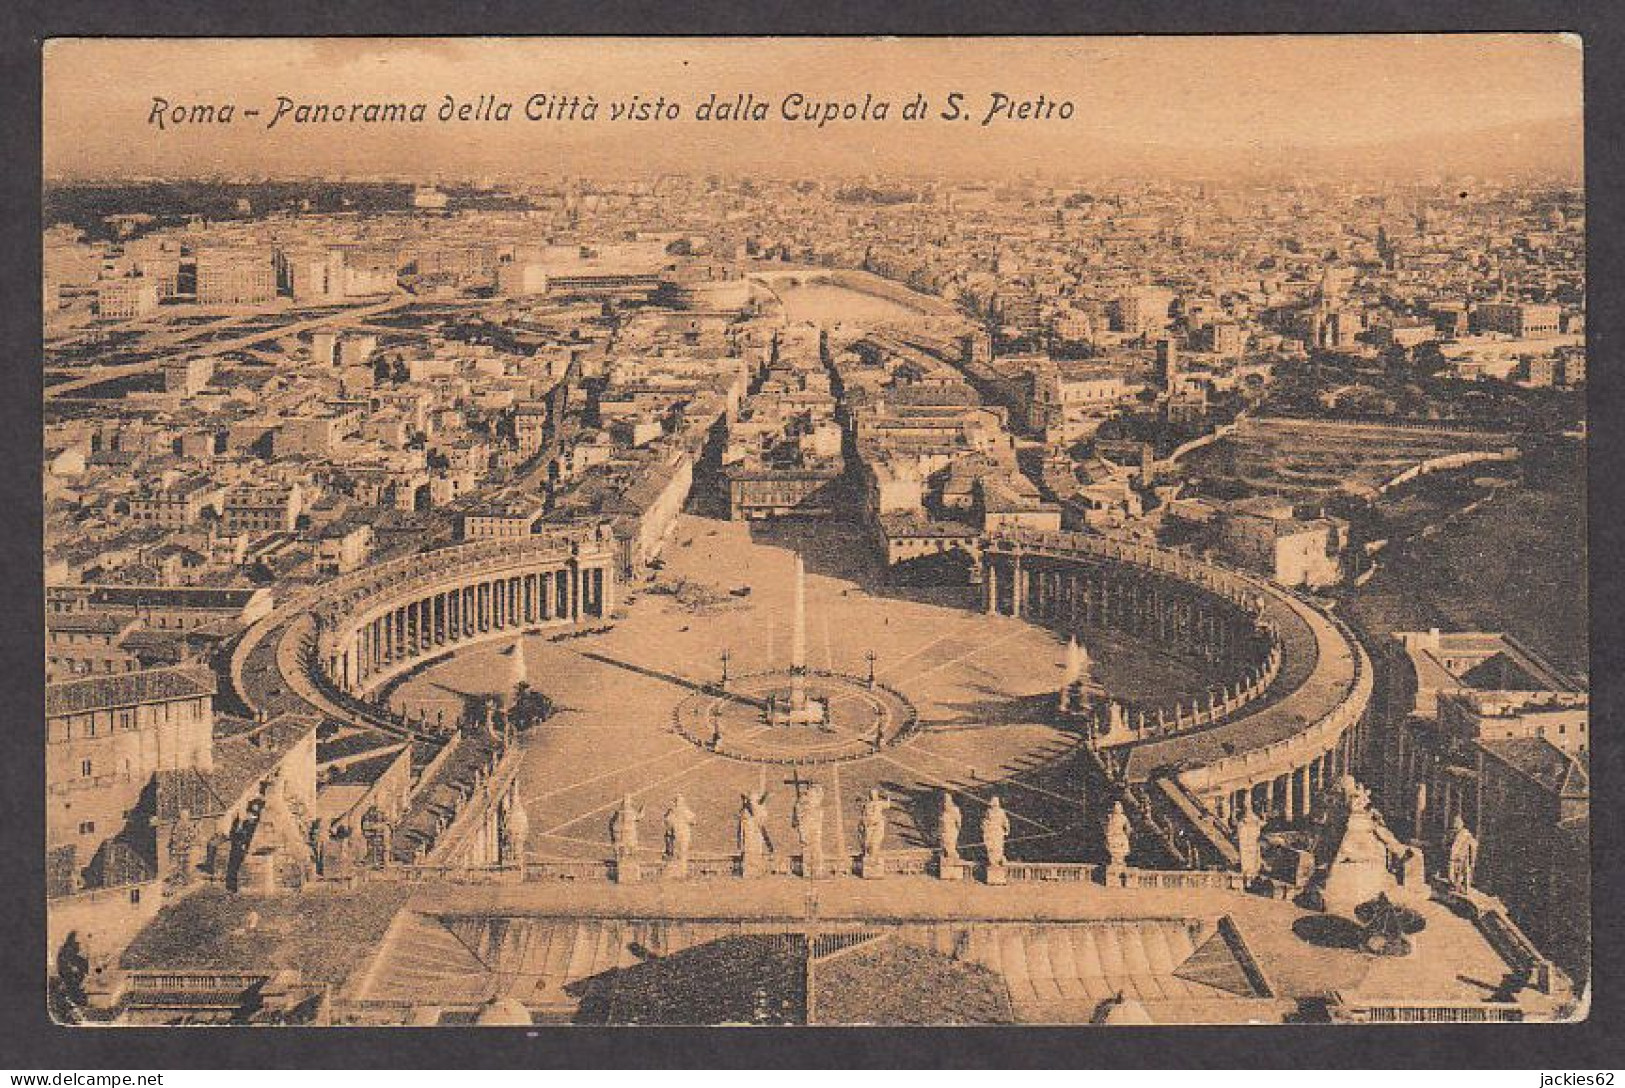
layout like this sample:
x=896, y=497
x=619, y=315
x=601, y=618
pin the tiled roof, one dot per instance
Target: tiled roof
x=242, y=759
x=187, y=790
x=103, y=623
x=127, y=689
x=1547, y=765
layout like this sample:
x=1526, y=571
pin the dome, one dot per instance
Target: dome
x=503, y=1012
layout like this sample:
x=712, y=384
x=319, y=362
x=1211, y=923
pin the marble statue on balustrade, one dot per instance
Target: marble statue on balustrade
x=623, y=833
x=874, y=831
x=995, y=830
x=808, y=820
x=679, y=837
x=1463, y=855
x=753, y=844
x=1118, y=843
x=623, y=825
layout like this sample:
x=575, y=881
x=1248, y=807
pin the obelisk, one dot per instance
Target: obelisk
x=798, y=643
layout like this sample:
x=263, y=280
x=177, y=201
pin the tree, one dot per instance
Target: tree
x=1388, y=926
x=67, y=986
x=1428, y=361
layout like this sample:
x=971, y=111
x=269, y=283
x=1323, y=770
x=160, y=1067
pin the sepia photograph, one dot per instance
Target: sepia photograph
x=618, y=531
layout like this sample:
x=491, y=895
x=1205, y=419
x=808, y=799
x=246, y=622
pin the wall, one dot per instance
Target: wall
x=106, y=920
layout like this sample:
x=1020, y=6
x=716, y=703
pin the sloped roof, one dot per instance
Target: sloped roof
x=127, y=689
x=1545, y=764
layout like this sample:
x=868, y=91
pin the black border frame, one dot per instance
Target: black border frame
x=29, y=1040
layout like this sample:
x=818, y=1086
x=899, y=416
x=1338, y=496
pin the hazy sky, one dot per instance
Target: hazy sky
x=1211, y=102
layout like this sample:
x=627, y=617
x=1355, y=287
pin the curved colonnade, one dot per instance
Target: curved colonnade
x=337, y=644
x=455, y=597
x=1233, y=629
x=331, y=649
x=1274, y=739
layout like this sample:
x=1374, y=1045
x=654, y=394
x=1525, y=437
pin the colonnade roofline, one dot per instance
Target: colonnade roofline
x=355, y=607
x=593, y=542
x=1205, y=573
x=1299, y=729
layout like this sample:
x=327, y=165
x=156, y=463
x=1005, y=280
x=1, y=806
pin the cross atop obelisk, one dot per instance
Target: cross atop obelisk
x=798, y=642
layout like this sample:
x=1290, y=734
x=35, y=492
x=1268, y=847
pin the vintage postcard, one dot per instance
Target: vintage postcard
x=818, y=531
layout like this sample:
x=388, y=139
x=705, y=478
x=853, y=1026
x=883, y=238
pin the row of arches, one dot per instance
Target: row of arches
x=386, y=640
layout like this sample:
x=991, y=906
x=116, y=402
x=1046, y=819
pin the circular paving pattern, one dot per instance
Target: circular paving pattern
x=746, y=722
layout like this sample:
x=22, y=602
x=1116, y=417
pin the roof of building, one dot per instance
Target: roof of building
x=350, y=745
x=241, y=760
x=898, y=525
x=127, y=689
x=220, y=598
x=1554, y=770
x=88, y=623
x=187, y=790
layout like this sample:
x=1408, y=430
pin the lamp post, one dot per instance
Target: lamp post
x=870, y=657
x=725, y=658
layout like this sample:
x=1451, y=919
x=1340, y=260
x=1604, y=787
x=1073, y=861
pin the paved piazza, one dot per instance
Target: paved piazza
x=981, y=687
